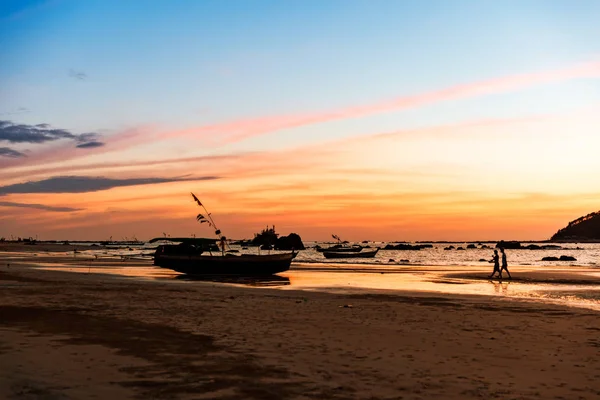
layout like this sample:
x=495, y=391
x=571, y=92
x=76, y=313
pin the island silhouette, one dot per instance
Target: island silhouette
x=586, y=228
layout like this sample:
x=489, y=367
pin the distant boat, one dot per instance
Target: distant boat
x=362, y=254
x=190, y=260
x=338, y=248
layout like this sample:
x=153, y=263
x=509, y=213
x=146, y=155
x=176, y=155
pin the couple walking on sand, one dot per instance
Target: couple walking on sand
x=497, y=268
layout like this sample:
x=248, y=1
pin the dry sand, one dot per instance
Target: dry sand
x=88, y=336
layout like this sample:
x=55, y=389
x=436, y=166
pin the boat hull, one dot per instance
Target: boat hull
x=247, y=265
x=364, y=254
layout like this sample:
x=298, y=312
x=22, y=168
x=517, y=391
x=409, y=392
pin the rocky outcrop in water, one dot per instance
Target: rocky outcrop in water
x=511, y=244
x=561, y=258
x=293, y=241
x=269, y=239
x=543, y=247
x=404, y=246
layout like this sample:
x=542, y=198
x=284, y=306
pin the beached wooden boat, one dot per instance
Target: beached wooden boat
x=362, y=254
x=189, y=256
x=192, y=260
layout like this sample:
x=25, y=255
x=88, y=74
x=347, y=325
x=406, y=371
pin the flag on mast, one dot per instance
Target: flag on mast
x=197, y=201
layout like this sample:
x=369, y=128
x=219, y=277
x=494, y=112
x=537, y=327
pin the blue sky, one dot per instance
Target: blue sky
x=183, y=63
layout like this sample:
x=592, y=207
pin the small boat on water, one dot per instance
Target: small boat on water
x=340, y=249
x=191, y=260
x=362, y=254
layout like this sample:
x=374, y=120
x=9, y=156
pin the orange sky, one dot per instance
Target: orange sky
x=494, y=179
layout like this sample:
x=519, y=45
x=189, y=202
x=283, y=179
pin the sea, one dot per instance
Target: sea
x=441, y=254
x=444, y=268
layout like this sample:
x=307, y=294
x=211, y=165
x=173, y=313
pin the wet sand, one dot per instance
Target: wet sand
x=15, y=247
x=82, y=336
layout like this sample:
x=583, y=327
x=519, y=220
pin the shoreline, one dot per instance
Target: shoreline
x=436, y=256
x=327, y=241
x=570, y=286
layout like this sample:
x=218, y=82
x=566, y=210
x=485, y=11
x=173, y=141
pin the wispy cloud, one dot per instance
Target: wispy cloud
x=20, y=110
x=82, y=184
x=38, y=207
x=79, y=75
x=446, y=129
x=61, y=152
x=89, y=145
x=8, y=152
x=236, y=131
x=42, y=133
x=208, y=163
x=239, y=130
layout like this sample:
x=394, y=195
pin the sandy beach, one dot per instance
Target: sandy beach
x=93, y=336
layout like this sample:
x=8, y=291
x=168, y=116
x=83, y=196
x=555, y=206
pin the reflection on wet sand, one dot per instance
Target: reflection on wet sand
x=575, y=286
x=500, y=287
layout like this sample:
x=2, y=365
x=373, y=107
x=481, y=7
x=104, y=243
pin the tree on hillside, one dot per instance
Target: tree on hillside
x=266, y=237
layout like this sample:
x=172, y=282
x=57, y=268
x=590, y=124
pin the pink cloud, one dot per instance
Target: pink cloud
x=210, y=160
x=235, y=131
x=240, y=130
x=305, y=158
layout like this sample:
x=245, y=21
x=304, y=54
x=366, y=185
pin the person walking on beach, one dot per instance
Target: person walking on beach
x=495, y=259
x=504, y=264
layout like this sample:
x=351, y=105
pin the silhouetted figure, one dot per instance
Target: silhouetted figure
x=223, y=243
x=504, y=264
x=495, y=259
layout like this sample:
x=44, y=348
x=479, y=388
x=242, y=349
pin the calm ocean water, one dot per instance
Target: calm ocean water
x=450, y=271
x=586, y=254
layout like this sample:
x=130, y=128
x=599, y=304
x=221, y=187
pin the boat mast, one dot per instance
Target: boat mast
x=201, y=218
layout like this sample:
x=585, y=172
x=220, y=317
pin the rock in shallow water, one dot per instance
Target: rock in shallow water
x=561, y=258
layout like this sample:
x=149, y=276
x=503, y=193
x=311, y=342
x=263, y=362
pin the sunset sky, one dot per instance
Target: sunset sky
x=372, y=120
